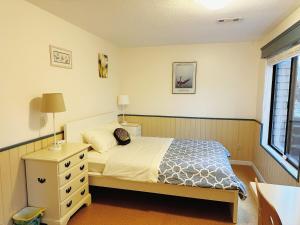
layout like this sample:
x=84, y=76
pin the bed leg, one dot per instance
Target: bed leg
x=234, y=209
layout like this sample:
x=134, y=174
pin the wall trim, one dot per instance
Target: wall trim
x=28, y=142
x=192, y=117
x=258, y=174
x=251, y=164
x=240, y=162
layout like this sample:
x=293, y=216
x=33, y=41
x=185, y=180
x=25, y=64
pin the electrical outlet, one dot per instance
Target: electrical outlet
x=60, y=142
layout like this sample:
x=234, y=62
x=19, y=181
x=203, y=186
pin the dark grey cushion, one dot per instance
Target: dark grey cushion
x=122, y=136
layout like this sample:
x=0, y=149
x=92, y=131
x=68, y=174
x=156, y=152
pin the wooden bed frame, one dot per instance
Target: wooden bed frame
x=73, y=132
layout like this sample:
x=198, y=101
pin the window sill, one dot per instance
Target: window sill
x=282, y=162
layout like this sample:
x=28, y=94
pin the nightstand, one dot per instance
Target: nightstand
x=134, y=129
x=58, y=181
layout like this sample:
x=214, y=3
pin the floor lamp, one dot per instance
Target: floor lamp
x=53, y=103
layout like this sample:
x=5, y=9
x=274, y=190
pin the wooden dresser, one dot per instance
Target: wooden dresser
x=58, y=181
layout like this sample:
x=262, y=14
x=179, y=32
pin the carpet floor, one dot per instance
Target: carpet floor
x=118, y=207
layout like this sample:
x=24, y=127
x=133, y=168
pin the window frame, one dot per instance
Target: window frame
x=290, y=107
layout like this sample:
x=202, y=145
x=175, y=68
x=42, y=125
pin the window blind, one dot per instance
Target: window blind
x=284, y=41
x=291, y=52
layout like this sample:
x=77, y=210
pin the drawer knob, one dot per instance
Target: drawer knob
x=82, y=193
x=82, y=179
x=69, y=204
x=82, y=167
x=67, y=164
x=41, y=180
x=68, y=190
x=68, y=176
x=81, y=156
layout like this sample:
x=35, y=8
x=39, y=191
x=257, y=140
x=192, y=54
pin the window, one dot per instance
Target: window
x=284, y=127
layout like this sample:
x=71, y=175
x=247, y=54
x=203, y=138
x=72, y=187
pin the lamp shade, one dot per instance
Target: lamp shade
x=53, y=102
x=123, y=100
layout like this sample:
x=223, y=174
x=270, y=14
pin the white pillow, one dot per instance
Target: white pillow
x=101, y=140
x=111, y=126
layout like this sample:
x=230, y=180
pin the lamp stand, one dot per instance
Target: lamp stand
x=124, y=122
x=55, y=146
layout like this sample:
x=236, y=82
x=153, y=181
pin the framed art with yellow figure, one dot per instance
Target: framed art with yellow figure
x=103, y=65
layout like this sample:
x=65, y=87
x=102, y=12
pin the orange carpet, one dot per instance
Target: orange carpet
x=117, y=207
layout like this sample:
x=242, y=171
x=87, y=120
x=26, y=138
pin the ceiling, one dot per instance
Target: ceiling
x=132, y=23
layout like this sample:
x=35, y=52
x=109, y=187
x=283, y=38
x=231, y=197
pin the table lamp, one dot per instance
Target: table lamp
x=123, y=101
x=53, y=103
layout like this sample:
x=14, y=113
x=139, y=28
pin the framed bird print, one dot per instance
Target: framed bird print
x=60, y=57
x=184, y=77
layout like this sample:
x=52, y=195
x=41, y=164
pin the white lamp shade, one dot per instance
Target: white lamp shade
x=123, y=100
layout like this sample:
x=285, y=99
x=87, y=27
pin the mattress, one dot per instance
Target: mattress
x=97, y=161
x=137, y=161
x=199, y=163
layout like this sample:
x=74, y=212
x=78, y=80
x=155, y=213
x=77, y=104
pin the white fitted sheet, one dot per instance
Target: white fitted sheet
x=97, y=161
x=137, y=161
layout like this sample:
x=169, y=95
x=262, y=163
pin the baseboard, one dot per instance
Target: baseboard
x=258, y=174
x=241, y=162
x=249, y=163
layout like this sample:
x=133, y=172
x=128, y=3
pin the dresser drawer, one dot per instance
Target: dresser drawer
x=72, y=161
x=58, y=181
x=67, y=190
x=70, y=174
x=70, y=202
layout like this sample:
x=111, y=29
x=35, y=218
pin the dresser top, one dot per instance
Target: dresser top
x=67, y=150
x=131, y=125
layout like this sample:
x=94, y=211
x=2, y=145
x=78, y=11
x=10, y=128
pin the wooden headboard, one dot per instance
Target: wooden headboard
x=73, y=130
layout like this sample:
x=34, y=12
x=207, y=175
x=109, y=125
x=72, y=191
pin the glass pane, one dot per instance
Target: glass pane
x=294, y=123
x=280, y=103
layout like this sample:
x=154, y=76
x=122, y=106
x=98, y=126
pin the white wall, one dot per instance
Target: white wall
x=281, y=27
x=226, y=80
x=26, y=32
x=228, y=84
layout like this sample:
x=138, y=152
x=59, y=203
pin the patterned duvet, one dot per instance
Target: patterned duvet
x=199, y=163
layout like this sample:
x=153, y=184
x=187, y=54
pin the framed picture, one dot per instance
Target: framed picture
x=60, y=57
x=103, y=65
x=184, y=77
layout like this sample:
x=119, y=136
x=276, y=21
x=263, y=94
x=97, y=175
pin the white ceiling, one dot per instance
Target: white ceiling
x=131, y=23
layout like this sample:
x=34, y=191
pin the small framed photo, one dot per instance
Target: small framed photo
x=60, y=57
x=184, y=77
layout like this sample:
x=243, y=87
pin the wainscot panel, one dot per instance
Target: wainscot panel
x=269, y=168
x=13, y=193
x=237, y=135
x=240, y=136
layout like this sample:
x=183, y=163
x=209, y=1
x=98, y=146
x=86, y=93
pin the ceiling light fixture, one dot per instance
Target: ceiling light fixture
x=214, y=4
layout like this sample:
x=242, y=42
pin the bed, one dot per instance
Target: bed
x=187, y=168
